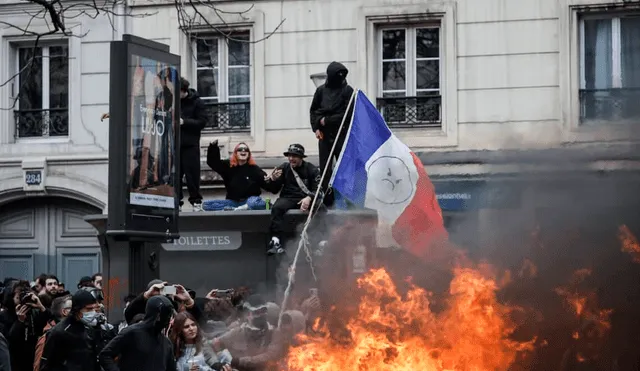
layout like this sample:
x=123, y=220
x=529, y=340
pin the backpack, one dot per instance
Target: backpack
x=40, y=346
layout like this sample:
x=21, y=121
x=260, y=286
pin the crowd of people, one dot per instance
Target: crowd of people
x=44, y=327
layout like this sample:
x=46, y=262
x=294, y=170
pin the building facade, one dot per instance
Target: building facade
x=480, y=89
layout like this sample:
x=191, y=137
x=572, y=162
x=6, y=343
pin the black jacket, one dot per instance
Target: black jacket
x=70, y=347
x=242, y=181
x=21, y=336
x=142, y=347
x=330, y=102
x=5, y=358
x=287, y=185
x=194, y=116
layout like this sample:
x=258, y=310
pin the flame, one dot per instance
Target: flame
x=594, y=323
x=629, y=243
x=391, y=331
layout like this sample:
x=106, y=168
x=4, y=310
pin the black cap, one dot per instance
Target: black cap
x=295, y=149
x=81, y=299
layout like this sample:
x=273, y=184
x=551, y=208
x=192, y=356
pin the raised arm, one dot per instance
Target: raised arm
x=214, y=161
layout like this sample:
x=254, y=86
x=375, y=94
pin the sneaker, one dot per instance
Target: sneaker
x=274, y=247
x=243, y=207
x=197, y=207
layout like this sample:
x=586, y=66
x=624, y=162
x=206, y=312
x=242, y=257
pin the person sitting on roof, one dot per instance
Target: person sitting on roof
x=242, y=178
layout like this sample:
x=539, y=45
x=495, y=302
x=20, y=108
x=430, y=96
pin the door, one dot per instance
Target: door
x=40, y=235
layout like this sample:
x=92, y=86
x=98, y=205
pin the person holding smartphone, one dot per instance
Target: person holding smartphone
x=182, y=300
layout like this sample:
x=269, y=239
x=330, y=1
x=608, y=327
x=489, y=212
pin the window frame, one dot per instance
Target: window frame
x=614, y=18
x=223, y=64
x=44, y=45
x=370, y=18
x=411, y=59
x=569, y=14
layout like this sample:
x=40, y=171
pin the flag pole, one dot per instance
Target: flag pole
x=304, y=240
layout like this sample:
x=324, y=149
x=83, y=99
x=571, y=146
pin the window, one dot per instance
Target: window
x=223, y=68
x=610, y=69
x=42, y=88
x=409, y=85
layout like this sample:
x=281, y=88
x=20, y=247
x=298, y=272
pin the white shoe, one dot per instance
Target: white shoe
x=243, y=207
x=197, y=207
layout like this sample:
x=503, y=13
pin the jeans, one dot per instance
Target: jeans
x=253, y=202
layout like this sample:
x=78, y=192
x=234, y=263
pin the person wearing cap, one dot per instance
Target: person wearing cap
x=69, y=344
x=297, y=181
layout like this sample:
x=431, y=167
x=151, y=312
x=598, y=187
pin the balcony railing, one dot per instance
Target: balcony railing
x=613, y=105
x=234, y=116
x=42, y=123
x=422, y=111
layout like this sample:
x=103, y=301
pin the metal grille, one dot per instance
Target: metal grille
x=234, y=116
x=42, y=123
x=609, y=104
x=423, y=111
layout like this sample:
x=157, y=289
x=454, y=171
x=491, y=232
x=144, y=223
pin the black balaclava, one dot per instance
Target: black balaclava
x=158, y=313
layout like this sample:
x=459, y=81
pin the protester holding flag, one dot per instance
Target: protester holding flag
x=328, y=108
x=377, y=171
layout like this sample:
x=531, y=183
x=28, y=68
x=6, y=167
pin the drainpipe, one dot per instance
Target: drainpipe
x=119, y=22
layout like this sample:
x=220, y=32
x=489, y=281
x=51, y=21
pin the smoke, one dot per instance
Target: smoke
x=546, y=228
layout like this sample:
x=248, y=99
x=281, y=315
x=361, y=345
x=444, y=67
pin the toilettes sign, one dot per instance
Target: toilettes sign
x=205, y=241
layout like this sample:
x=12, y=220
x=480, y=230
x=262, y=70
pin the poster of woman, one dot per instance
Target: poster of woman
x=152, y=127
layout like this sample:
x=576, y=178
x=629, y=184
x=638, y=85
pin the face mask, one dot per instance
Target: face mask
x=90, y=318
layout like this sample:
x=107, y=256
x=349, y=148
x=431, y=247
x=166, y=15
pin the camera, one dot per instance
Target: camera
x=26, y=297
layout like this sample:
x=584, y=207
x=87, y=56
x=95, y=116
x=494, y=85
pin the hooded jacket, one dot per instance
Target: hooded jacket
x=330, y=102
x=194, y=117
x=143, y=346
x=242, y=181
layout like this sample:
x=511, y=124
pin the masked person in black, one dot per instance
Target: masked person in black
x=328, y=108
x=297, y=182
x=193, y=120
x=143, y=346
x=71, y=344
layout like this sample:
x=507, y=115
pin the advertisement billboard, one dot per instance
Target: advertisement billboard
x=144, y=140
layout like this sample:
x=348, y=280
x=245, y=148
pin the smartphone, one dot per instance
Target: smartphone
x=168, y=290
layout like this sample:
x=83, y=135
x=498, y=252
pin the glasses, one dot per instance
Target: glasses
x=242, y=149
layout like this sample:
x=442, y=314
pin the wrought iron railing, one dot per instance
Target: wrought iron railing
x=422, y=111
x=42, y=123
x=234, y=116
x=622, y=104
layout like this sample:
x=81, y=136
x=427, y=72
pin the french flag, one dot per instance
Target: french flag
x=377, y=171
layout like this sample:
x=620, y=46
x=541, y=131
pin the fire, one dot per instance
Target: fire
x=391, y=331
x=629, y=242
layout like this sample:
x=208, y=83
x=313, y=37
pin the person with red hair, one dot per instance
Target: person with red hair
x=242, y=177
